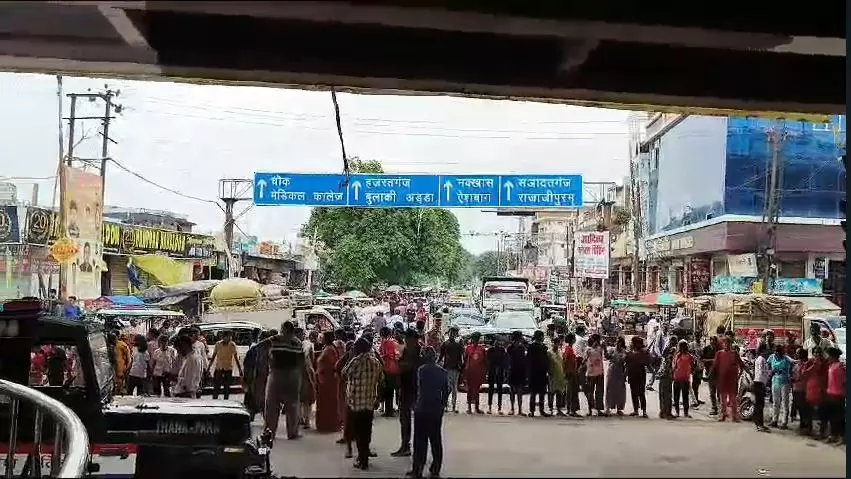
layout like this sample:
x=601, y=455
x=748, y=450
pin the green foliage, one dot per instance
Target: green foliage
x=362, y=247
x=490, y=263
x=621, y=217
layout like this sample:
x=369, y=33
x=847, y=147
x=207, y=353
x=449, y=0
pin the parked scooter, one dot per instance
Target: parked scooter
x=746, y=397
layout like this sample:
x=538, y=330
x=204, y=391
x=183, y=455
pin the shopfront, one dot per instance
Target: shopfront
x=138, y=256
x=687, y=262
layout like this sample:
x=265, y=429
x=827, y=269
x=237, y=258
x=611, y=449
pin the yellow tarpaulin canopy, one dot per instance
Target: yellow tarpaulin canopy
x=166, y=270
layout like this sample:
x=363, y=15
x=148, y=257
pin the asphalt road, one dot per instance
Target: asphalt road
x=511, y=446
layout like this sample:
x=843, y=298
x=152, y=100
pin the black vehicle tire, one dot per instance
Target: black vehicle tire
x=746, y=409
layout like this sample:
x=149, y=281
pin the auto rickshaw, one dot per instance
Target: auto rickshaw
x=71, y=361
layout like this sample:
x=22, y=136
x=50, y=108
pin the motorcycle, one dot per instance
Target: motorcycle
x=746, y=399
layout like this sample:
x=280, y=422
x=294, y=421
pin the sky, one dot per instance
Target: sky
x=177, y=137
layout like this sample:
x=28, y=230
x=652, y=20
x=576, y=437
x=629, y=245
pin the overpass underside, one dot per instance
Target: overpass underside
x=717, y=55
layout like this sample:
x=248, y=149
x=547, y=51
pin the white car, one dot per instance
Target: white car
x=523, y=321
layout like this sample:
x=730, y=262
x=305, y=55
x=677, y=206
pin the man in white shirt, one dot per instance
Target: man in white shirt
x=397, y=319
x=761, y=376
x=198, y=344
x=378, y=321
x=817, y=339
x=188, y=383
x=581, y=341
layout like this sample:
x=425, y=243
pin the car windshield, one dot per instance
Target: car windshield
x=519, y=306
x=467, y=321
x=835, y=322
x=504, y=296
x=514, y=320
x=100, y=355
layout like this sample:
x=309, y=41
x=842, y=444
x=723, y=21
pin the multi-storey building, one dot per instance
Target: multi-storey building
x=703, y=185
x=552, y=231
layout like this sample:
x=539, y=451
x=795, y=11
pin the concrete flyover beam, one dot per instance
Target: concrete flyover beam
x=615, y=63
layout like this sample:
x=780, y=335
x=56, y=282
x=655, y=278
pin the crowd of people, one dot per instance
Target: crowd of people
x=148, y=365
x=337, y=381
x=417, y=373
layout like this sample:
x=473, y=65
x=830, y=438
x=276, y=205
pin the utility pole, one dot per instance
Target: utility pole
x=635, y=197
x=72, y=122
x=772, y=208
x=498, y=252
x=315, y=257
x=231, y=192
x=108, y=97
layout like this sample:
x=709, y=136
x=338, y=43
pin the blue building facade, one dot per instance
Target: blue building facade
x=706, y=167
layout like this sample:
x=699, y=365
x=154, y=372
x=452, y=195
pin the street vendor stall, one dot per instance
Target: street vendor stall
x=630, y=311
x=744, y=312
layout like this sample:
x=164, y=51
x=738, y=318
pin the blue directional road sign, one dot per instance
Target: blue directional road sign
x=394, y=191
x=541, y=191
x=469, y=191
x=418, y=191
x=294, y=189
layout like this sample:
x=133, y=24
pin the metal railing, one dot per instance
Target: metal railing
x=70, y=439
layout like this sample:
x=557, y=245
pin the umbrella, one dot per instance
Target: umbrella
x=394, y=289
x=662, y=299
x=354, y=294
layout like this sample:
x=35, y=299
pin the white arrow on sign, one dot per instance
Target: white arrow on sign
x=356, y=188
x=448, y=187
x=508, y=186
x=261, y=188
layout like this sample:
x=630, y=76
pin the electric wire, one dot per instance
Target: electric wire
x=160, y=186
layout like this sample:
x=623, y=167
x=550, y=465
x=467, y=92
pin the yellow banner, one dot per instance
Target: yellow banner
x=82, y=209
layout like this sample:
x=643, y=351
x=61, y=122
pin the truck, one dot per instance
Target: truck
x=72, y=362
x=496, y=290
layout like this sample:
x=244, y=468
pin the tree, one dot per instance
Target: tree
x=490, y=263
x=361, y=247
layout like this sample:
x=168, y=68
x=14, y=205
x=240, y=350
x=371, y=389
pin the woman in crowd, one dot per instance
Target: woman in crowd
x=799, y=396
x=474, y=372
x=683, y=367
x=340, y=346
x=616, y=377
x=636, y=363
x=727, y=367
x=593, y=361
x=327, y=387
x=123, y=356
x=139, y=373
x=389, y=354
x=814, y=374
x=834, y=402
x=557, y=378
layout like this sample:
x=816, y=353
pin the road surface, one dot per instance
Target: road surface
x=510, y=446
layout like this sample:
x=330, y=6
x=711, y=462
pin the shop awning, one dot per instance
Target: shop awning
x=819, y=305
x=662, y=299
x=124, y=300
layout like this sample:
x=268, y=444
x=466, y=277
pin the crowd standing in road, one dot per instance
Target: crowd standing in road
x=416, y=373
